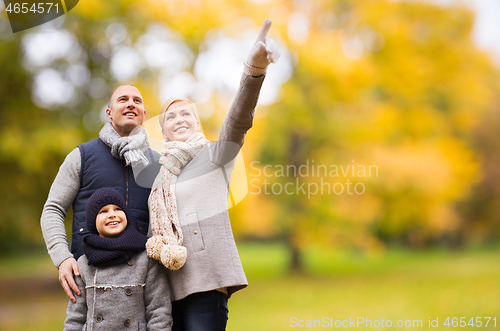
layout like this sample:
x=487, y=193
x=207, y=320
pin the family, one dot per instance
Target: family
x=152, y=246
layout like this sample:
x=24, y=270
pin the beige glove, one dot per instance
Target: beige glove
x=263, y=52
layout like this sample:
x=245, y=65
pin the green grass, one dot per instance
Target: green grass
x=395, y=285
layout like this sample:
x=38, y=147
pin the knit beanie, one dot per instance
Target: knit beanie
x=100, y=198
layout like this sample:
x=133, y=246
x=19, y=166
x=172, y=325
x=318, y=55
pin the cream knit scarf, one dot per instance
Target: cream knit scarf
x=130, y=148
x=165, y=244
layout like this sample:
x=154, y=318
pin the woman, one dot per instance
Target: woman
x=189, y=220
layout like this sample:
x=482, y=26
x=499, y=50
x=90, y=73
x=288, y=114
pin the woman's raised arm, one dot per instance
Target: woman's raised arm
x=240, y=116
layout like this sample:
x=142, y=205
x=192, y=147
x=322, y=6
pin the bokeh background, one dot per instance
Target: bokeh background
x=395, y=102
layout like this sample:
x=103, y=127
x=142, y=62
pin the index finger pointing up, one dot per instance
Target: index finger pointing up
x=263, y=31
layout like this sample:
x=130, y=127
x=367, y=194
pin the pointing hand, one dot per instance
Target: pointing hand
x=263, y=52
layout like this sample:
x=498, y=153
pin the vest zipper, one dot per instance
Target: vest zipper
x=126, y=183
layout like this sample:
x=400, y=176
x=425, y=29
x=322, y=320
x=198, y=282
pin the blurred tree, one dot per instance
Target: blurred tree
x=398, y=86
x=57, y=78
x=482, y=210
x=47, y=110
x=32, y=147
x=394, y=88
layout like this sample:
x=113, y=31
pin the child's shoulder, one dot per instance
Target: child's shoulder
x=141, y=256
x=144, y=260
x=83, y=267
x=82, y=261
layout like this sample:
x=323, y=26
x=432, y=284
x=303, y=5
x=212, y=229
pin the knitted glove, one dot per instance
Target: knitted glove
x=263, y=52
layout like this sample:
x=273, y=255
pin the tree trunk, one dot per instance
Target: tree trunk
x=295, y=158
x=295, y=261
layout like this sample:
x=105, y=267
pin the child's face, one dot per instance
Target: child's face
x=110, y=221
x=180, y=122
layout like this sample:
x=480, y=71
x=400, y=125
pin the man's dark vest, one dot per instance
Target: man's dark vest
x=100, y=169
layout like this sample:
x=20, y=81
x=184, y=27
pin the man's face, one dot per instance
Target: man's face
x=180, y=122
x=127, y=110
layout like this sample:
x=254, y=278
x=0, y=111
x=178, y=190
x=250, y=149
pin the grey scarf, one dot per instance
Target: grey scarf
x=130, y=148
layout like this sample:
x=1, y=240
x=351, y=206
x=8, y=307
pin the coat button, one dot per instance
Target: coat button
x=100, y=290
x=128, y=291
x=130, y=262
x=127, y=322
x=195, y=232
x=140, y=229
x=98, y=319
x=81, y=229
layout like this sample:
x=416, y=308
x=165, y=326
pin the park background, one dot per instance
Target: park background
x=399, y=85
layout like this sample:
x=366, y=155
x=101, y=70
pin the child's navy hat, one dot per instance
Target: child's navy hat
x=100, y=198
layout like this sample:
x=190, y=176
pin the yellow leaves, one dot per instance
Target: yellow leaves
x=409, y=108
x=95, y=9
x=462, y=163
x=395, y=84
x=366, y=206
x=324, y=55
x=442, y=170
x=255, y=216
x=238, y=188
x=442, y=218
x=150, y=95
x=34, y=149
x=194, y=18
x=420, y=181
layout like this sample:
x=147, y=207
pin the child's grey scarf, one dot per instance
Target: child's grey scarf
x=130, y=148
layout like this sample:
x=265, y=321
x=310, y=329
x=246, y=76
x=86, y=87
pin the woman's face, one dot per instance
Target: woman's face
x=180, y=122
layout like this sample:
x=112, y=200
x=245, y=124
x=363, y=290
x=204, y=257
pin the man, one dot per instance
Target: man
x=117, y=159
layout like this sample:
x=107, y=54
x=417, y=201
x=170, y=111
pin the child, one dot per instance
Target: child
x=120, y=286
x=189, y=221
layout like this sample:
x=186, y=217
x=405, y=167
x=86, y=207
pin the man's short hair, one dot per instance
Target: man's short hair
x=110, y=101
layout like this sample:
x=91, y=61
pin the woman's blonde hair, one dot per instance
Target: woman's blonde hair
x=170, y=102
